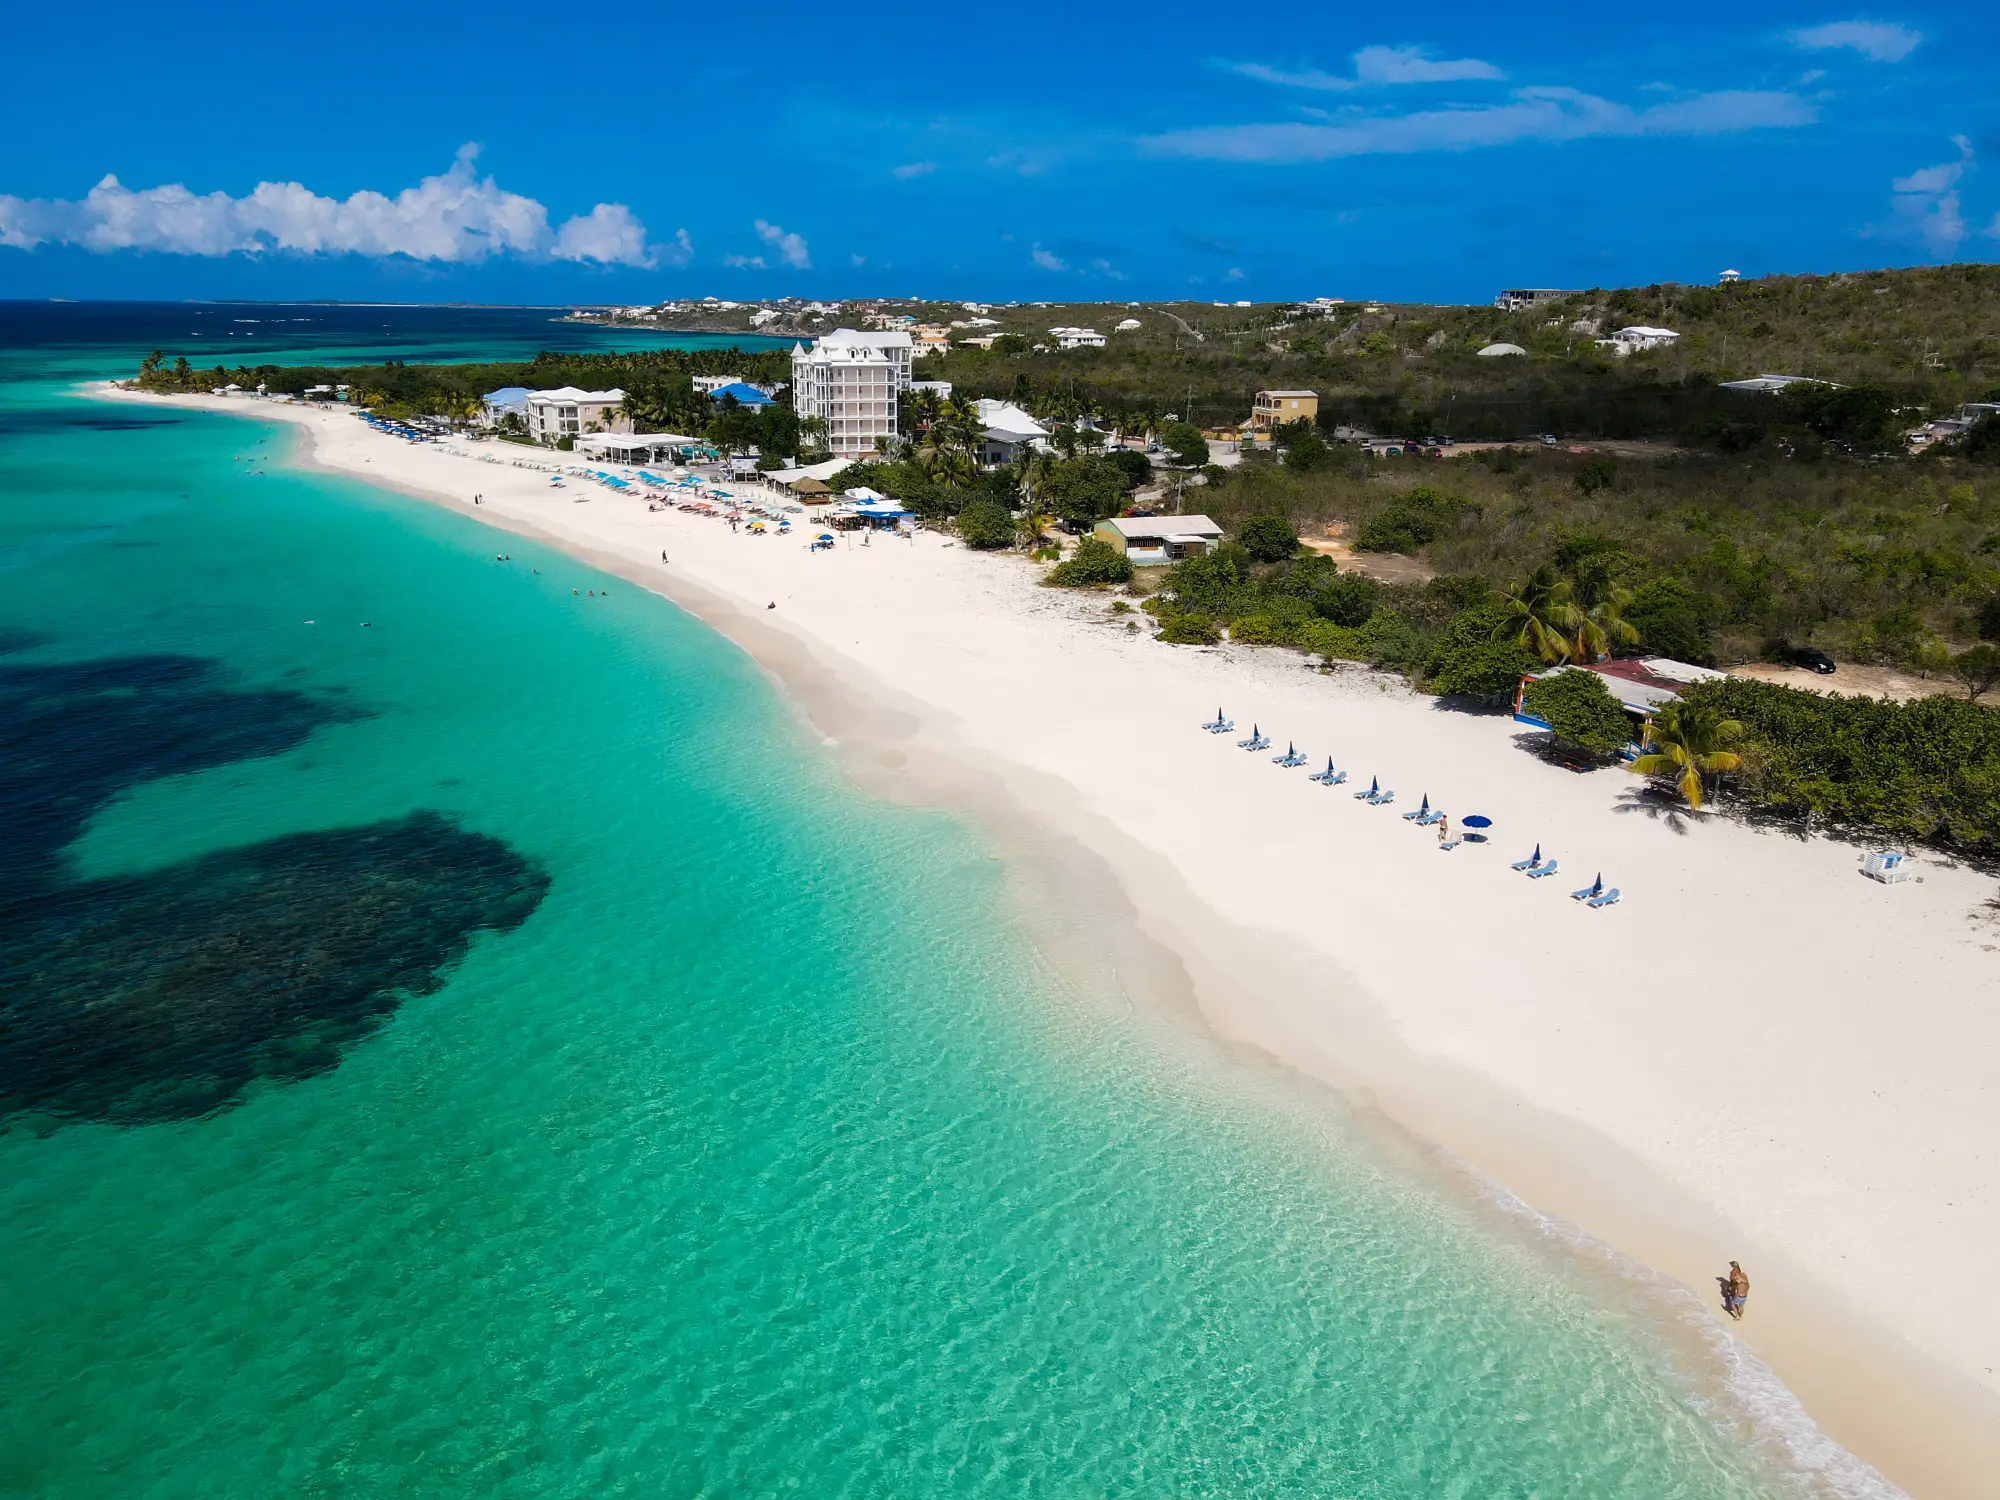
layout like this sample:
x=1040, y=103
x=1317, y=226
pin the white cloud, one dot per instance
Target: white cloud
x=915, y=169
x=1235, y=274
x=455, y=216
x=609, y=234
x=1377, y=66
x=1412, y=65
x=744, y=262
x=1543, y=114
x=859, y=260
x=791, y=248
x=678, y=251
x=1104, y=268
x=1879, y=41
x=1048, y=260
x=1924, y=206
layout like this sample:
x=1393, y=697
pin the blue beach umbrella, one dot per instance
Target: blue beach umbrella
x=1597, y=885
x=1479, y=820
x=1374, y=785
x=1427, y=803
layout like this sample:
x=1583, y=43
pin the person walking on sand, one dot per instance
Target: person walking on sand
x=1735, y=1291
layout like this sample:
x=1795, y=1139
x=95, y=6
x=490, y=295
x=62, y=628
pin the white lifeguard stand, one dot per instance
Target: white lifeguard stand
x=1888, y=866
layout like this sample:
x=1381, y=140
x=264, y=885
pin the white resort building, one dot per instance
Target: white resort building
x=854, y=383
x=1078, y=338
x=1638, y=337
x=569, y=412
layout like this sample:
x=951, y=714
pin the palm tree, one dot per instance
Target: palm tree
x=1034, y=525
x=1541, y=615
x=1603, y=625
x=1034, y=467
x=1685, y=741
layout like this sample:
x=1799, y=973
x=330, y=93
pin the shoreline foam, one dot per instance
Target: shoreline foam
x=1458, y=1063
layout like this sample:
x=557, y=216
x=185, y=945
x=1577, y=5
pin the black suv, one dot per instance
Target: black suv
x=1813, y=657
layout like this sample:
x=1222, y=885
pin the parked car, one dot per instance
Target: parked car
x=1814, y=658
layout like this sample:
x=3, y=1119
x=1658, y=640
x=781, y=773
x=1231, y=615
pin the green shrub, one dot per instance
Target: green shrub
x=1395, y=642
x=1927, y=769
x=1408, y=523
x=1084, y=490
x=1183, y=440
x=1595, y=474
x=986, y=525
x=1134, y=465
x=1264, y=630
x=1581, y=710
x=1095, y=561
x=1178, y=629
x=1469, y=660
x=1268, y=539
x=1672, y=620
x=1334, y=642
x=1218, y=585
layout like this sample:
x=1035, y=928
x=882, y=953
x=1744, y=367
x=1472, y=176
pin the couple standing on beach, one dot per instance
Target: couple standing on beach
x=1735, y=1291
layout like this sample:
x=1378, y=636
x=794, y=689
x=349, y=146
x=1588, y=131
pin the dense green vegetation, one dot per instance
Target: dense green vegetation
x=1581, y=711
x=1929, y=337
x=658, y=386
x=1927, y=770
x=1728, y=557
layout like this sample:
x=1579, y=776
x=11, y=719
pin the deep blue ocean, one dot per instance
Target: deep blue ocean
x=461, y=1037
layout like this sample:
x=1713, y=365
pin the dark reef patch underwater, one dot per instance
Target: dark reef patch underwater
x=164, y=996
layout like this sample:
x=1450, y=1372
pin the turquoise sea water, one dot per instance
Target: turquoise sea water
x=723, y=1134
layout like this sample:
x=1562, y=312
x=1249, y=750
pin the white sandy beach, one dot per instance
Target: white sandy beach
x=1758, y=1054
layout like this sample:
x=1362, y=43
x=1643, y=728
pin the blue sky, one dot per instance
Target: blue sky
x=618, y=152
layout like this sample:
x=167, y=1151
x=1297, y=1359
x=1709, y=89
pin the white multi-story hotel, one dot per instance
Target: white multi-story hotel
x=569, y=412
x=854, y=382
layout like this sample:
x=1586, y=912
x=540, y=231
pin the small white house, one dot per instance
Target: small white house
x=1155, y=541
x=1077, y=338
x=1501, y=351
x=1638, y=337
x=1126, y=325
x=1006, y=431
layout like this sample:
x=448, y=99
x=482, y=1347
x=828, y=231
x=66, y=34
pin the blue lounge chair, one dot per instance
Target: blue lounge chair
x=1374, y=786
x=1595, y=888
x=1291, y=759
x=1329, y=777
x=1542, y=870
x=1220, y=724
x=1382, y=799
x=1421, y=813
x=1258, y=740
x=1531, y=861
x=1609, y=898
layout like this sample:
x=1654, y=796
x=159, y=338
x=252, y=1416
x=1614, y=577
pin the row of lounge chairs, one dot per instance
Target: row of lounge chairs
x=1594, y=895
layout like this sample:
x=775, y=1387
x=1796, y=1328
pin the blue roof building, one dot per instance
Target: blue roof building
x=509, y=398
x=746, y=395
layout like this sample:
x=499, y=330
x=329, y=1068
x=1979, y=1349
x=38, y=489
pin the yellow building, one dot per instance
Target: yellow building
x=1276, y=407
